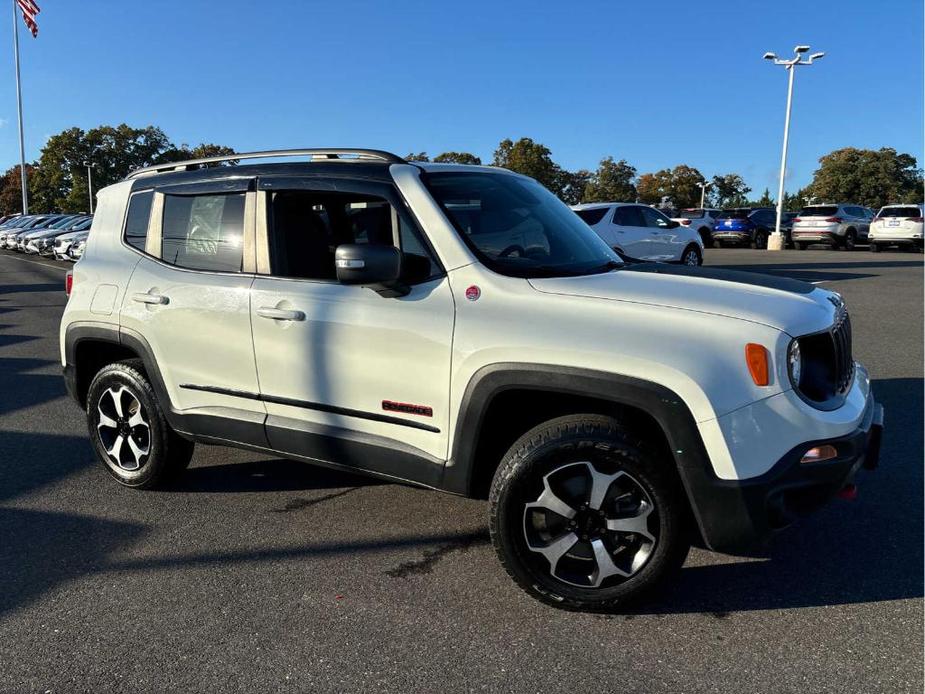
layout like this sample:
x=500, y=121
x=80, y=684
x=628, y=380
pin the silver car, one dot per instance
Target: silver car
x=839, y=226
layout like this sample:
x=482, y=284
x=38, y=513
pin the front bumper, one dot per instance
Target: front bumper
x=736, y=516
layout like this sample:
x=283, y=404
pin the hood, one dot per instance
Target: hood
x=794, y=307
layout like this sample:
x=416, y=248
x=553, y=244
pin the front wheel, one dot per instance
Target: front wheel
x=692, y=256
x=874, y=247
x=128, y=429
x=851, y=240
x=584, y=517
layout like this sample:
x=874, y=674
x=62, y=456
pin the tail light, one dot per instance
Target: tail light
x=685, y=222
x=834, y=220
x=875, y=220
x=797, y=219
x=917, y=220
x=69, y=283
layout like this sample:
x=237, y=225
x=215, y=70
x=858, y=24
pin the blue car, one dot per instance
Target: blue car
x=744, y=226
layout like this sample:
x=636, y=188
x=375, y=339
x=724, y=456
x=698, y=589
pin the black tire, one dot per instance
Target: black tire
x=164, y=453
x=567, y=446
x=717, y=244
x=761, y=239
x=705, y=236
x=799, y=245
x=850, y=241
x=874, y=248
x=692, y=257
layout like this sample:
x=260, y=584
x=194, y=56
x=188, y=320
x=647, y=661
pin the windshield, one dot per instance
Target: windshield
x=517, y=227
x=83, y=224
x=62, y=223
x=900, y=212
x=819, y=211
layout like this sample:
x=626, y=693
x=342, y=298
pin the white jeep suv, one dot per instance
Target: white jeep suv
x=459, y=328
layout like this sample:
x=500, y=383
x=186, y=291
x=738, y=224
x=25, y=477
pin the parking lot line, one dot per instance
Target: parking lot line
x=33, y=262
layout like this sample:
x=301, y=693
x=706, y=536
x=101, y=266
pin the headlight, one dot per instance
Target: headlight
x=795, y=362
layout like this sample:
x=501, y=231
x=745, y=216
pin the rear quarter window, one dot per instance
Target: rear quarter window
x=136, y=221
x=593, y=216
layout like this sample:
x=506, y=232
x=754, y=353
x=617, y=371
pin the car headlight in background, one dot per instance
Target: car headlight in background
x=795, y=362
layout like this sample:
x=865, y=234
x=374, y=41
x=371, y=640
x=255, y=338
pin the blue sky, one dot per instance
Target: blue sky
x=656, y=83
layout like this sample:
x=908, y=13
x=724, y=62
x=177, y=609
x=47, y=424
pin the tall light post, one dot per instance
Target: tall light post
x=703, y=192
x=90, y=183
x=776, y=242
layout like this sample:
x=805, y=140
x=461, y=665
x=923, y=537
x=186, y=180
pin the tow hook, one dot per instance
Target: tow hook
x=848, y=492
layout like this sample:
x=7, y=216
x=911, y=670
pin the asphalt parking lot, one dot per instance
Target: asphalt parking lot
x=260, y=574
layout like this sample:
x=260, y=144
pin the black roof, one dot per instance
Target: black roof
x=372, y=170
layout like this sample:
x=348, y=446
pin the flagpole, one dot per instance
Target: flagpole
x=22, y=148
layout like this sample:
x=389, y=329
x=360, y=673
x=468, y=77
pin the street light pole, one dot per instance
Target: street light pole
x=703, y=192
x=90, y=184
x=776, y=242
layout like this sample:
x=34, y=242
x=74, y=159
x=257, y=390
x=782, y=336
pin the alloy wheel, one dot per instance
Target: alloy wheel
x=691, y=258
x=591, y=527
x=123, y=428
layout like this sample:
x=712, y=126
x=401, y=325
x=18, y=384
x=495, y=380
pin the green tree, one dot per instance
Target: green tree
x=677, y=187
x=420, y=156
x=571, y=185
x=206, y=149
x=612, y=182
x=869, y=177
x=531, y=159
x=730, y=190
x=765, y=200
x=652, y=188
x=457, y=158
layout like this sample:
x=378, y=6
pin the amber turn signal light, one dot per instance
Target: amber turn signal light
x=756, y=356
x=819, y=453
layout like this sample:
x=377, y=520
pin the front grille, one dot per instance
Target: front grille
x=844, y=362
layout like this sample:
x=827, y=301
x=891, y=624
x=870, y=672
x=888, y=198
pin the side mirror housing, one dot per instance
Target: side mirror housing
x=373, y=266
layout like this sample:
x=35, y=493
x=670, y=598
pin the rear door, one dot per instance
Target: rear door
x=349, y=376
x=189, y=300
x=631, y=234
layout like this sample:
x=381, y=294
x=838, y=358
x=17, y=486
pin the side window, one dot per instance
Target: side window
x=306, y=227
x=204, y=232
x=654, y=218
x=628, y=216
x=136, y=221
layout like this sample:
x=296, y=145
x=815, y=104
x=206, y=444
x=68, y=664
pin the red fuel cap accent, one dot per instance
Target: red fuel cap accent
x=473, y=293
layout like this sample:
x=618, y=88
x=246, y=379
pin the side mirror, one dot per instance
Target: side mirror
x=373, y=266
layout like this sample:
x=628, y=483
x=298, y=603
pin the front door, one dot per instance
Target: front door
x=630, y=231
x=348, y=376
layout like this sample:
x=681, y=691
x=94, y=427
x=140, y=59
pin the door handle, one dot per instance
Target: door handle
x=146, y=298
x=280, y=313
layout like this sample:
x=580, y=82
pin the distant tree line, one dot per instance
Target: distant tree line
x=58, y=180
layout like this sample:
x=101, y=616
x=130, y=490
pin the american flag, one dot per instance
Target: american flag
x=29, y=10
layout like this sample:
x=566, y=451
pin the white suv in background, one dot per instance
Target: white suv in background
x=839, y=226
x=897, y=225
x=459, y=328
x=642, y=232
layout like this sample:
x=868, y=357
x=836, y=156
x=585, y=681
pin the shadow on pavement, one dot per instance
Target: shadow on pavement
x=272, y=475
x=21, y=389
x=823, y=272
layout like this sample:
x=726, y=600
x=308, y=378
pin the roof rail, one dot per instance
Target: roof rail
x=328, y=154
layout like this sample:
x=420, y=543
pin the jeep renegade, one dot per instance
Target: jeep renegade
x=459, y=328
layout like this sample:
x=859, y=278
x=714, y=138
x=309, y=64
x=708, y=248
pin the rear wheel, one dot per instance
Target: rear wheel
x=799, y=245
x=585, y=517
x=851, y=240
x=761, y=239
x=692, y=256
x=128, y=429
x=717, y=244
x=705, y=236
x=874, y=247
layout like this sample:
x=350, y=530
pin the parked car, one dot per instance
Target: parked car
x=897, y=225
x=38, y=221
x=11, y=227
x=77, y=247
x=744, y=226
x=42, y=238
x=63, y=242
x=9, y=217
x=838, y=226
x=701, y=219
x=361, y=316
x=641, y=232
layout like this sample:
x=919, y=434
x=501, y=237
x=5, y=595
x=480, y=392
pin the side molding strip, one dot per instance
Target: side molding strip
x=308, y=405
